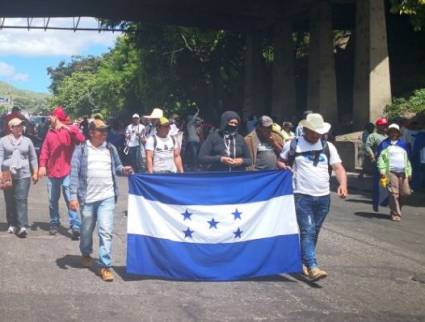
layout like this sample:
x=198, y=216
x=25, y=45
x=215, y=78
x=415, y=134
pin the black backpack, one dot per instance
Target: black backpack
x=292, y=154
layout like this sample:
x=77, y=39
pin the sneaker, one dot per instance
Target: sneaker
x=75, y=234
x=316, y=274
x=11, y=230
x=305, y=270
x=22, y=232
x=53, y=230
x=106, y=274
x=86, y=261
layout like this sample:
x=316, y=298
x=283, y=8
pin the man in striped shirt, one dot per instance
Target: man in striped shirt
x=94, y=190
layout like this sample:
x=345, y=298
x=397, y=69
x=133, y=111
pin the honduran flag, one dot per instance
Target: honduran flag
x=212, y=226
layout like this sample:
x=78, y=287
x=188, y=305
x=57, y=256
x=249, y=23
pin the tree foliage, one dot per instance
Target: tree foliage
x=175, y=68
x=412, y=105
x=415, y=9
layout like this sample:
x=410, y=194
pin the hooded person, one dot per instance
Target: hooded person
x=225, y=149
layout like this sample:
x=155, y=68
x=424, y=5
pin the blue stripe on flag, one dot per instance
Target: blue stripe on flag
x=212, y=188
x=188, y=261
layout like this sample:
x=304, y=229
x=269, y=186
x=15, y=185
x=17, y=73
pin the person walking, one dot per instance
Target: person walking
x=135, y=143
x=163, y=150
x=94, y=191
x=18, y=163
x=55, y=159
x=225, y=149
x=310, y=157
x=395, y=168
x=379, y=194
x=264, y=145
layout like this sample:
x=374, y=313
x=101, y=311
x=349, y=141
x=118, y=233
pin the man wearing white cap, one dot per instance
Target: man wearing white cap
x=311, y=158
x=134, y=135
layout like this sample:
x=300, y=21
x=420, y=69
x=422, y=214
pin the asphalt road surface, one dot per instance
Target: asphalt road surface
x=376, y=273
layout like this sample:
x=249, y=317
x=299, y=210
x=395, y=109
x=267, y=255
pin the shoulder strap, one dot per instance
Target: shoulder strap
x=155, y=142
x=292, y=151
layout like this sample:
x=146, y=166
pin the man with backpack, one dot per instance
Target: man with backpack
x=312, y=158
x=163, y=151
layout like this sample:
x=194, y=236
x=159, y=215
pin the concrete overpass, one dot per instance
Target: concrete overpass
x=365, y=18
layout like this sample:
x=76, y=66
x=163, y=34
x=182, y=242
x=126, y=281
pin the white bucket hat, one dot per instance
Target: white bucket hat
x=157, y=113
x=315, y=123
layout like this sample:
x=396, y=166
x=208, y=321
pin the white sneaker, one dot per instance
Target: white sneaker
x=22, y=232
x=11, y=230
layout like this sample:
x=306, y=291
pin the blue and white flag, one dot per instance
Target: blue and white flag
x=212, y=226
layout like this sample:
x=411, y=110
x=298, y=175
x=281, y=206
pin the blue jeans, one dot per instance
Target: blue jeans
x=103, y=212
x=54, y=186
x=135, y=158
x=16, y=199
x=311, y=213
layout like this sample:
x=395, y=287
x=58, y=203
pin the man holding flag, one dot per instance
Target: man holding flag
x=311, y=158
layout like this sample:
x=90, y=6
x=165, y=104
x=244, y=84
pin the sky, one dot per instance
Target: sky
x=25, y=55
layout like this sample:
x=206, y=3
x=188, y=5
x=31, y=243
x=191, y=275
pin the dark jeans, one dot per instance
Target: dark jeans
x=192, y=150
x=311, y=213
x=16, y=199
x=135, y=158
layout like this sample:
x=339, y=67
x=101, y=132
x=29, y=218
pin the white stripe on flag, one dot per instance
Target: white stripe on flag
x=274, y=217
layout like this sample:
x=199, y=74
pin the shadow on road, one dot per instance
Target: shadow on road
x=37, y=225
x=72, y=261
x=121, y=271
x=372, y=215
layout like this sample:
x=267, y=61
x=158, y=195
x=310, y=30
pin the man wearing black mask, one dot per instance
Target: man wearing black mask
x=225, y=149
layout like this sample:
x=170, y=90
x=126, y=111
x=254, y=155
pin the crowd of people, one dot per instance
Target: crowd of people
x=82, y=159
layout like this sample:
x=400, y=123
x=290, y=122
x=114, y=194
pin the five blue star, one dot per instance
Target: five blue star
x=238, y=233
x=213, y=223
x=237, y=214
x=186, y=215
x=188, y=233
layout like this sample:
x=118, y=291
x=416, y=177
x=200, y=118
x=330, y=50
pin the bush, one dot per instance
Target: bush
x=402, y=106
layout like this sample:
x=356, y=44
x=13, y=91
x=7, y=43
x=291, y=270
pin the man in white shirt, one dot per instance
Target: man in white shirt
x=310, y=158
x=94, y=190
x=163, y=151
x=135, y=141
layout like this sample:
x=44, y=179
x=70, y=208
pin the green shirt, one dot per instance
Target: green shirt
x=372, y=142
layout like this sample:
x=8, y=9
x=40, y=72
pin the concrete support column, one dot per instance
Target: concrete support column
x=254, y=64
x=283, y=87
x=372, y=86
x=322, y=96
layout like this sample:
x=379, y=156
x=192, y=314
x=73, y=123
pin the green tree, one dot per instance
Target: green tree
x=77, y=64
x=415, y=9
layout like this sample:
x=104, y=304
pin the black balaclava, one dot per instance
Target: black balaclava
x=226, y=117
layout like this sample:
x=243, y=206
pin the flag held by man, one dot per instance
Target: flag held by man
x=212, y=226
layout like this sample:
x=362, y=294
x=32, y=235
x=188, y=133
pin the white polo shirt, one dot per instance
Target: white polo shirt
x=100, y=184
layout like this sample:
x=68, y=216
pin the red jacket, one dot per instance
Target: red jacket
x=56, y=151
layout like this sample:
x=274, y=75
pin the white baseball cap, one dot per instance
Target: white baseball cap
x=394, y=126
x=136, y=116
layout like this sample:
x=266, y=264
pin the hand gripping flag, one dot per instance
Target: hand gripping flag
x=212, y=226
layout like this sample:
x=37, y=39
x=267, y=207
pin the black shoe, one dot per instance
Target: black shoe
x=75, y=234
x=22, y=233
x=53, y=230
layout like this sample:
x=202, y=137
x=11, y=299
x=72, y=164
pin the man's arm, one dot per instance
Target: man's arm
x=149, y=161
x=341, y=176
x=178, y=161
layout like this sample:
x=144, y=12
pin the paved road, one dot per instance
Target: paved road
x=372, y=264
